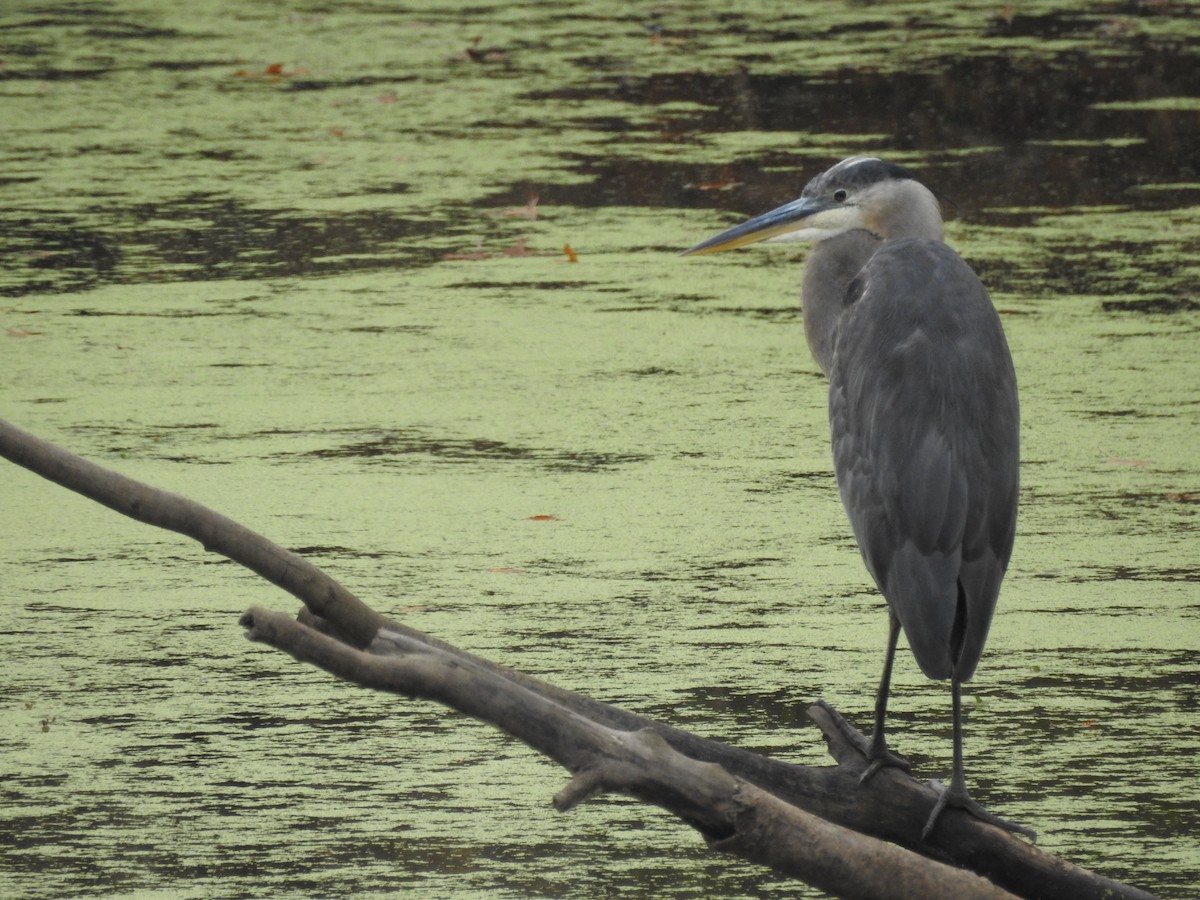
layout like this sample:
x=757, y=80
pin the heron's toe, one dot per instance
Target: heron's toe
x=882, y=758
x=958, y=798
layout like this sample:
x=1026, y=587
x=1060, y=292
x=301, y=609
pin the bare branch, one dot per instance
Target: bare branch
x=734, y=815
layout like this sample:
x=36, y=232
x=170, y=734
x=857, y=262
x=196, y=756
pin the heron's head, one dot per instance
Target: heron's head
x=859, y=193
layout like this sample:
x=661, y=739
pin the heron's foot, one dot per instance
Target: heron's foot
x=958, y=798
x=874, y=748
x=879, y=756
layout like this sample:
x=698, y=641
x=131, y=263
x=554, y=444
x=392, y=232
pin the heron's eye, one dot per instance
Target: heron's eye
x=840, y=196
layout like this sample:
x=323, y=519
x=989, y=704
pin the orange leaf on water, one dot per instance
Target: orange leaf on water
x=273, y=71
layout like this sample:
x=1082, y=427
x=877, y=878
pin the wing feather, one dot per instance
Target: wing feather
x=925, y=425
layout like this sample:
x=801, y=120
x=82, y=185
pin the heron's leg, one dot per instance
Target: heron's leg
x=956, y=795
x=877, y=751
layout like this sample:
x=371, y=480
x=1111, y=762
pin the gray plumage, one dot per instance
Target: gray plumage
x=923, y=415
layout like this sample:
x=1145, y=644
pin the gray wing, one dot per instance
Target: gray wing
x=925, y=423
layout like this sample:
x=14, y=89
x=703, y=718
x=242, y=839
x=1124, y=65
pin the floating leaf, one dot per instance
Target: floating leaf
x=528, y=211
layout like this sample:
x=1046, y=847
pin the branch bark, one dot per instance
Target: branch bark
x=814, y=823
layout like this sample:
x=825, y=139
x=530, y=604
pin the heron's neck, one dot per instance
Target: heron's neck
x=907, y=210
x=831, y=266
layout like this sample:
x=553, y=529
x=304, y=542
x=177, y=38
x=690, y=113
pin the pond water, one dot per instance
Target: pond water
x=308, y=264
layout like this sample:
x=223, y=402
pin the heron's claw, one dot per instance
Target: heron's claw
x=878, y=759
x=874, y=748
x=960, y=799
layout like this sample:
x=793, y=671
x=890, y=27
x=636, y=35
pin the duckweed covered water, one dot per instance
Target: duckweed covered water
x=307, y=266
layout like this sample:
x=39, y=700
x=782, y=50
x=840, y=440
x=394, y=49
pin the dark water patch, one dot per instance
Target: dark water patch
x=125, y=31
x=186, y=627
x=159, y=313
x=391, y=329
x=509, y=286
x=395, y=187
x=151, y=441
x=1136, y=573
x=58, y=256
x=314, y=84
x=714, y=576
x=47, y=73
x=338, y=551
x=1163, y=680
x=1085, y=263
x=186, y=65
x=111, y=719
x=159, y=661
x=1054, y=147
x=785, y=482
x=94, y=17
x=1152, y=306
x=699, y=305
x=613, y=180
x=224, y=154
x=756, y=562
x=55, y=780
x=239, y=241
x=394, y=447
x=966, y=102
x=207, y=238
x=254, y=721
x=1124, y=414
x=653, y=372
x=1049, y=26
x=782, y=314
x=722, y=703
x=980, y=185
x=46, y=29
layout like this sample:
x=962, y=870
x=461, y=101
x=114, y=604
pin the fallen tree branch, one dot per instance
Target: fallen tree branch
x=734, y=815
x=765, y=810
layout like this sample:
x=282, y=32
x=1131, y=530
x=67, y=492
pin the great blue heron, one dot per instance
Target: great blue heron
x=923, y=411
